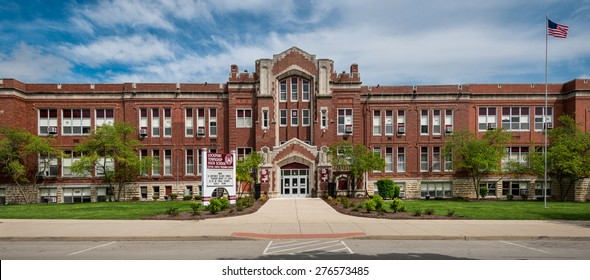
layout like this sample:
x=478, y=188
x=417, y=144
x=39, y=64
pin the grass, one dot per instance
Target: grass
x=92, y=211
x=504, y=210
x=484, y=210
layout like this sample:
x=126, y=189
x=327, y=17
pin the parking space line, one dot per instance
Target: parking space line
x=96, y=247
x=522, y=246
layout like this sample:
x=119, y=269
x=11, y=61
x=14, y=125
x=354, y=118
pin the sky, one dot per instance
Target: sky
x=195, y=41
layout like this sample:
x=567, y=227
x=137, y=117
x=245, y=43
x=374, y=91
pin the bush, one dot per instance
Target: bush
x=450, y=212
x=155, y=197
x=173, y=211
x=396, y=205
x=369, y=205
x=357, y=207
x=224, y=203
x=379, y=203
x=429, y=211
x=173, y=196
x=198, y=197
x=345, y=202
x=195, y=206
x=483, y=191
x=187, y=197
x=417, y=212
x=215, y=205
x=385, y=187
x=263, y=198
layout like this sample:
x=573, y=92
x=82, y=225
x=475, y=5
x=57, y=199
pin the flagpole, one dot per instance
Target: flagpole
x=545, y=111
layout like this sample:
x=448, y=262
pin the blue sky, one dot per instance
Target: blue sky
x=192, y=41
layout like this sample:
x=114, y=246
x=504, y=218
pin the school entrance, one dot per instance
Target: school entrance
x=295, y=180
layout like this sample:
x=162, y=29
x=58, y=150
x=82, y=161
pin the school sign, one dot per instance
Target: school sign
x=219, y=174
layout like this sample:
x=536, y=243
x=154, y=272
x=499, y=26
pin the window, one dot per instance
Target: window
x=190, y=162
x=241, y=152
x=401, y=159
x=388, y=159
x=424, y=122
x=66, y=163
x=47, y=166
x=424, y=159
x=200, y=122
x=47, y=121
x=539, y=125
x=449, y=121
x=486, y=118
x=344, y=121
x=324, y=118
x=212, y=122
x=189, y=127
x=436, y=122
x=515, y=118
x=143, y=122
x=283, y=113
x=167, y=162
x=144, y=168
x=155, y=162
x=491, y=186
x=188, y=190
x=244, y=118
x=435, y=189
x=305, y=90
x=294, y=117
x=283, y=91
x=436, y=159
x=167, y=122
x=156, y=191
x=401, y=122
x=539, y=189
x=75, y=121
x=449, y=163
x=305, y=117
x=294, y=91
x=199, y=162
x=2, y=196
x=155, y=122
x=515, y=188
x=265, y=118
x=48, y=195
x=388, y=122
x=76, y=195
x=103, y=164
x=376, y=122
x=377, y=151
x=144, y=194
x=104, y=117
x=518, y=155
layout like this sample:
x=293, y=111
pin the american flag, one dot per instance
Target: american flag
x=556, y=30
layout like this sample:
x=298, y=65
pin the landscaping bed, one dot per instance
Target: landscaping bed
x=204, y=213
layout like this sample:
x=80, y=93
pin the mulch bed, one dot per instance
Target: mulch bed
x=206, y=215
x=387, y=215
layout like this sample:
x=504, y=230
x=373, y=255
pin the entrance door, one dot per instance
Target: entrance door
x=295, y=182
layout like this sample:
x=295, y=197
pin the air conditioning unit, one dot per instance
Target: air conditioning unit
x=491, y=126
x=548, y=126
x=201, y=131
x=143, y=132
x=449, y=130
x=348, y=128
x=52, y=130
x=401, y=130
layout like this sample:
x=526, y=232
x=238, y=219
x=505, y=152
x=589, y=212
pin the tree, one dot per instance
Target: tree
x=568, y=156
x=22, y=156
x=111, y=152
x=478, y=157
x=246, y=170
x=356, y=161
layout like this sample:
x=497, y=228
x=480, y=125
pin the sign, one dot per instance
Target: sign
x=264, y=175
x=324, y=174
x=219, y=172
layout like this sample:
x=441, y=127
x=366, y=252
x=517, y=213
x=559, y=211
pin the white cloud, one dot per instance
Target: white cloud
x=31, y=64
x=133, y=49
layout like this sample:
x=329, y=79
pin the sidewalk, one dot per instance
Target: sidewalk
x=292, y=218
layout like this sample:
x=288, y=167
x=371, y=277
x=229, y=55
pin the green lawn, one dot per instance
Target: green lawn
x=488, y=210
x=98, y=210
x=504, y=210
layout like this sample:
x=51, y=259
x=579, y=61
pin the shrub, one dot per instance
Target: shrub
x=173, y=196
x=510, y=197
x=450, y=212
x=417, y=212
x=173, y=211
x=483, y=191
x=396, y=205
x=385, y=188
x=378, y=202
x=198, y=197
x=195, y=206
x=263, y=198
x=155, y=197
x=357, y=207
x=224, y=203
x=396, y=191
x=345, y=202
x=369, y=205
x=429, y=211
x=187, y=197
x=215, y=205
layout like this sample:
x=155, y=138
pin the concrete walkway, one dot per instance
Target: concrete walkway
x=292, y=218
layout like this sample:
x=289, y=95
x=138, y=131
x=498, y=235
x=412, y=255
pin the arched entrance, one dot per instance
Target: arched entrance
x=295, y=180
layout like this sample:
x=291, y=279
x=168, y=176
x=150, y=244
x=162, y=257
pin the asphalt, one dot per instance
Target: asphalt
x=292, y=219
